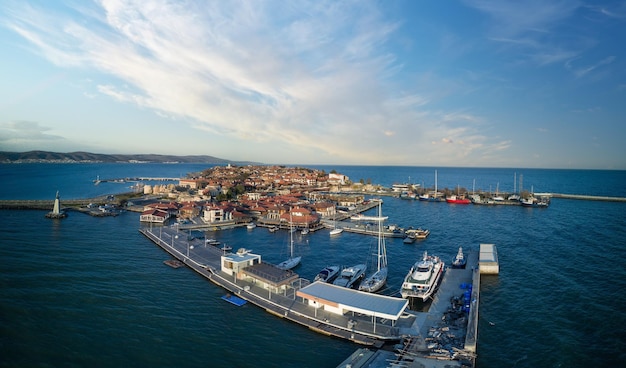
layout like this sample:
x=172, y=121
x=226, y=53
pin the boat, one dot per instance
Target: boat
x=272, y=229
x=458, y=199
x=350, y=275
x=213, y=242
x=226, y=248
x=432, y=196
x=305, y=231
x=336, y=230
x=174, y=263
x=292, y=261
x=421, y=233
x=410, y=238
x=423, y=278
x=459, y=260
x=251, y=226
x=375, y=282
x=328, y=274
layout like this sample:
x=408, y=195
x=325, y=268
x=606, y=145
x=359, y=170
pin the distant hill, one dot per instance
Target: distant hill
x=88, y=157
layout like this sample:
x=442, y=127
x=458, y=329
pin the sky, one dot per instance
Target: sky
x=472, y=83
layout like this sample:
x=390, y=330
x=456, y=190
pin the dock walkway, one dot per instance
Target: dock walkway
x=416, y=327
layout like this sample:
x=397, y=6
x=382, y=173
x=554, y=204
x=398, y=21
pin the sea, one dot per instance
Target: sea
x=88, y=291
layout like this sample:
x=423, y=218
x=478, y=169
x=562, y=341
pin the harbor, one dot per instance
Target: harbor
x=391, y=328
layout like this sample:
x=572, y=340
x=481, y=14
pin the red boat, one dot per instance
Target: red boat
x=458, y=200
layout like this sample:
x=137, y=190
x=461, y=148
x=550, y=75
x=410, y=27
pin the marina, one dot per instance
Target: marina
x=369, y=319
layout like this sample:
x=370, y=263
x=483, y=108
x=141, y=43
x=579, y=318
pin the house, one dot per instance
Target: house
x=154, y=216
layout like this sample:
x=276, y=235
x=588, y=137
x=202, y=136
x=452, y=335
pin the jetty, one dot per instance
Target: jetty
x=367, y=319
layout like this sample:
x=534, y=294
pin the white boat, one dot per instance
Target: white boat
x=350, y=275
x=328, y=274
x=305, y=231
x=336, y=231
x=272, y=229
x=251, y=226
x=423, y=278
x=459, y=260
x=292, y=261
x=375, y=282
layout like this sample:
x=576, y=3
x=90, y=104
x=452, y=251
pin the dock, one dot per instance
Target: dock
x=488, y=263
x=451, y=318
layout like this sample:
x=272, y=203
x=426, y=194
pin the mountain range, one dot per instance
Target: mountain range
x=88, y=157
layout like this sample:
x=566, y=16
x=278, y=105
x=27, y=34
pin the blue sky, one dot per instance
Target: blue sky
x=528, y=83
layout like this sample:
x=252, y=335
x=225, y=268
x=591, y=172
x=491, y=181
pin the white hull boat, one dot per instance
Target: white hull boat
x=328, y=274
x=376, y=281
x=423, y=278
x=349, y=276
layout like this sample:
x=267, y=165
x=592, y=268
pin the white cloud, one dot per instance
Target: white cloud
x=315, y=76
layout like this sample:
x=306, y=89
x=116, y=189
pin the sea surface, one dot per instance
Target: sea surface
x=87, y=291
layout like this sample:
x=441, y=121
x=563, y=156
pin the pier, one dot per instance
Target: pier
x=298, y=300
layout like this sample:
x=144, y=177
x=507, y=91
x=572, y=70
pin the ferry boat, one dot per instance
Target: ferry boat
x=423, y=278
x=349, y=276
x=328, y=274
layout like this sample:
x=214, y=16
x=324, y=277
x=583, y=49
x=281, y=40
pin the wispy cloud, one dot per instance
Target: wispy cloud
x=529, y=26
x=584, y=70
x=312, y=75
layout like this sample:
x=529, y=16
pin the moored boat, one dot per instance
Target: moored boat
x=272, y=229
x=458, y=200
x=251, y=226
x=350, y=275
x=459, y=260
x=376, y=281
x=423, y=278
x=328, y=274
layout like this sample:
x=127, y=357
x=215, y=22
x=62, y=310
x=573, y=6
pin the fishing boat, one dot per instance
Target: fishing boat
x=459, y=260
x=350, y=275
x=423, y=278
x=328, y=274
x=376, y=281
x=292, y=261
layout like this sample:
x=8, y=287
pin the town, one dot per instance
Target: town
x=271, y=196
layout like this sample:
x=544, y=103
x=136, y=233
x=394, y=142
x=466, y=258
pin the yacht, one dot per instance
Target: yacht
x=423, y=278
x=350, y=275
x=328, y=274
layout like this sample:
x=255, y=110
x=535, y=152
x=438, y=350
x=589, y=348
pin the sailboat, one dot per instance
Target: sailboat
x=292, y=261
x=376, y=281
x=432, y=197
x=336, y=230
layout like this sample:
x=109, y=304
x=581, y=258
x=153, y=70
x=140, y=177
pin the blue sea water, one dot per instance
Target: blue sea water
x=87, y=291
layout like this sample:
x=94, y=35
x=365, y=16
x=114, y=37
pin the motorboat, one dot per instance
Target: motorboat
x=328, y=274
x=459, y=260
x=423, y=278
x=350, y=275
x=251, y=226
x=410, y=238
x=272, y=229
